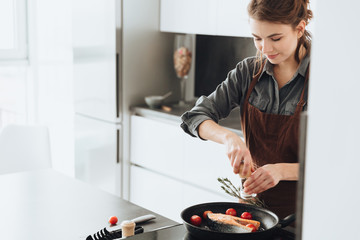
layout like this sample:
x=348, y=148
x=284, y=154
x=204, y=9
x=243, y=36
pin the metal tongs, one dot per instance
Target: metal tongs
x=109, y=233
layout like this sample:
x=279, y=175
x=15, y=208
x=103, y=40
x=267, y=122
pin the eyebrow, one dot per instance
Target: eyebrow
x=272, y=35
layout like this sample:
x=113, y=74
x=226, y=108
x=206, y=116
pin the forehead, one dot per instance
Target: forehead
x=265, y=28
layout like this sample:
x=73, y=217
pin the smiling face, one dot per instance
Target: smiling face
x=276, y=41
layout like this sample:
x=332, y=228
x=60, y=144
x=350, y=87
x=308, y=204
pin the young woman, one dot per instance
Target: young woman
x=271, y=91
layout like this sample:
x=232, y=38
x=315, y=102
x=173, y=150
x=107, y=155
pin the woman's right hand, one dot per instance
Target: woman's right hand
x=238, y=153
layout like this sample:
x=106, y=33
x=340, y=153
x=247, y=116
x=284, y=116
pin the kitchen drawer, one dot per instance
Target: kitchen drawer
x=157, y=145
x=155, y=192
x=204, y=162
x=167, y=196
x=164, y=148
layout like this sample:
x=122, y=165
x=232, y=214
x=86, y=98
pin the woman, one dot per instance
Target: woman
x=271, y=91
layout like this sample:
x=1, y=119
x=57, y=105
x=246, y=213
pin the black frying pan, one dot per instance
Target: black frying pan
x=269, y=221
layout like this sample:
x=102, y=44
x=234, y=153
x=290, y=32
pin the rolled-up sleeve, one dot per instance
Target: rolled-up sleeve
x=218, y=104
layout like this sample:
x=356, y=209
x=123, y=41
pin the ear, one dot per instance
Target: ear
x=300, y=28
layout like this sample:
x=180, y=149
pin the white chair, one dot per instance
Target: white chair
x=24, y=148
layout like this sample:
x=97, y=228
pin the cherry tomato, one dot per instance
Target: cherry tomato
x=251, y=226
x=231, y=212
x=113, y=220
x=195, y=220
x=205, y=214
x=246, y=215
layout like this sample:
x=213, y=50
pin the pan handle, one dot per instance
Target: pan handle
x=287, y=220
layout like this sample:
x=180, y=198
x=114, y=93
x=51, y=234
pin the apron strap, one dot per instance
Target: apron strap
x=302, y=103
x=254, y=81
x=252, y=85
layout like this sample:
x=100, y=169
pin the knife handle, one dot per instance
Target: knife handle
x=144, y=218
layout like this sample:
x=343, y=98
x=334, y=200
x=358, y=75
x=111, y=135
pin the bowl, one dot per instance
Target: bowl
x=154, y=101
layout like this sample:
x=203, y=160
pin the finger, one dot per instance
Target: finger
x=256, y=185
x=255, y=178
x=231, y=159
x=261, y=188
x=247, y=166
x=252, y=184
x=237, y=162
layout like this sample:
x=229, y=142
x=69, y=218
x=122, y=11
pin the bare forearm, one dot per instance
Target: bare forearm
x=236, y=149
x=210, y=130
x=289, y=171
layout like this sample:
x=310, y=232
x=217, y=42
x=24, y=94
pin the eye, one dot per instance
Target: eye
x=257, y=39
x=276, y=39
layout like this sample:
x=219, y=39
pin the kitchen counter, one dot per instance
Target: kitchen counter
x=232, y=122
x=46, y=204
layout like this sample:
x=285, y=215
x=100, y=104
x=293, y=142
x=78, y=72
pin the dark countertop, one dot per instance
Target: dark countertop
x=46, y=204
x=232, y=122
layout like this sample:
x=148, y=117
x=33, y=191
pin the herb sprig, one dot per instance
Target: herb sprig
x=233, y=191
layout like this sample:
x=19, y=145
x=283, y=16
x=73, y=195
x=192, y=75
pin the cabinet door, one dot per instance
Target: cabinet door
x=157, y=145
x=232, y=18
x=165, y=195
x=210, y=17
x=96, y=149
x=189, y=16
x=205, y=162
x=155, y=192
x=193, y=195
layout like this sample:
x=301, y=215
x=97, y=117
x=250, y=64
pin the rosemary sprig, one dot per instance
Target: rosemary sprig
x=230, y=189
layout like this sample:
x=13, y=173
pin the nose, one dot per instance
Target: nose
x=266, y=46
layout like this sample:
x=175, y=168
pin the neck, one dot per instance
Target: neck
x=291, y=63
x=285, y=70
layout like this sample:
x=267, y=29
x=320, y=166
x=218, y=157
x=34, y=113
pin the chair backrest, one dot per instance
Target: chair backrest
x=24, y=148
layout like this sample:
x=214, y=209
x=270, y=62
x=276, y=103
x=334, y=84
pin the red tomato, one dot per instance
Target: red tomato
x=195, y=220
x=231, y=212
x=205, y=214
x=246, y=215
x=113, y=220
x=251, y=226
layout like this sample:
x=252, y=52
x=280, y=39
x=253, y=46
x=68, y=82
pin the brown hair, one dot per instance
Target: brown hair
x=285, y=12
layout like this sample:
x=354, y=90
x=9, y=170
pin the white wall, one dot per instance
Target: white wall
x=332, y=175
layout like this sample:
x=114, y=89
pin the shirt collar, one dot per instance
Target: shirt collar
x=268, y=67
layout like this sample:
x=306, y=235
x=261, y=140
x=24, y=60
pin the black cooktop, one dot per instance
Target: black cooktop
x=178, y=232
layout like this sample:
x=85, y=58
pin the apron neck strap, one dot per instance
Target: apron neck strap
x=301, y=103
x=305, y=83
x=254, y=81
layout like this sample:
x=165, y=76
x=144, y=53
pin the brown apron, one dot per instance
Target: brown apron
x=273, y=138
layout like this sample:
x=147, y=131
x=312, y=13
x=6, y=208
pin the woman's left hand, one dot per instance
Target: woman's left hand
x=263, y=178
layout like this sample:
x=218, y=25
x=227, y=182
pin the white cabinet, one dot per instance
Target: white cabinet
x=233, y=18
x=156, y=145
x=96, y=149
x=155, y=192
x=166, y=195
x=205, y=162
x=171, y=170
x=210, y=17
x=188, y=16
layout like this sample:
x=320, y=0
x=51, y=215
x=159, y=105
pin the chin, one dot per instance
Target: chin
x=279, y=59
x=273, y=61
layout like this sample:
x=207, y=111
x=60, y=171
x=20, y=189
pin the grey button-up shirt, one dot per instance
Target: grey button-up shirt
x=266, y=96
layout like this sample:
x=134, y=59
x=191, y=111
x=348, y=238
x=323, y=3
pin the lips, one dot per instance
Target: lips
x=272, y=56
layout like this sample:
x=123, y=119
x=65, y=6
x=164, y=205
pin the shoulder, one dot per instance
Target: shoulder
x=243, y=71
x=247, y=65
